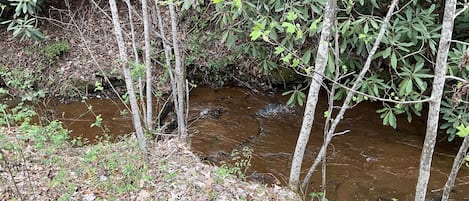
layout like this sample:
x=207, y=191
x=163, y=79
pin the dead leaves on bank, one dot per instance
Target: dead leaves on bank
x=119, y=172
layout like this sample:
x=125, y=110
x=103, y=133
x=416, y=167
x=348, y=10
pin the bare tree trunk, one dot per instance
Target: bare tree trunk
x=180, y=79
x=345, y=105
x=434, y=108
x=148, y=93
x=458, y=161
x=167, y=54
x=128, y=79
x=134, y=48
x=316, y=81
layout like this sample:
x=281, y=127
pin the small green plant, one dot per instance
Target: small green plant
x=318, y=196
x=241, y=162
x=224, y=171
x=54, y=50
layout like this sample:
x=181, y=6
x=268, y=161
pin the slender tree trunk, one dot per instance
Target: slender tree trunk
x=148, y=93
x=350, y=94
x=434, y=108
x=167, y=54
x=134, y=48
x=180, y=79
x=316, y=81
x=128, y=79
x=458, y=161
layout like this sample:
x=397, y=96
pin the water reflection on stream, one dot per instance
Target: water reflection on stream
x=372, y=162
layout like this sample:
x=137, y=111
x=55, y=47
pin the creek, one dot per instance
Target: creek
x=372, y=162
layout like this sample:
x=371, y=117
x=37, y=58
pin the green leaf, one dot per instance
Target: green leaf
x=291, y=100
x=97, y=122
x=291, y=16
x=287, y=58
x=387, y=52
x=238, y=4
x=326, y=114
x=255, y=34
x=279, y=50
x=314, y=24
x=306, y=56
x=295, y=63
x=289, y=26
x=187, y=4
x=230, y=40
x=300, y=99
x=224, y=36
x=393, y=60
x=217, y=1
x=392, y=120
x=463, y=131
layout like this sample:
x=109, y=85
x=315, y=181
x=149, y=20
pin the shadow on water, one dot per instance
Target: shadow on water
x=372, y=162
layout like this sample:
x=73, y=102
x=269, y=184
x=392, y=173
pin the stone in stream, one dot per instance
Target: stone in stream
x=273, y=109
x=211, y=113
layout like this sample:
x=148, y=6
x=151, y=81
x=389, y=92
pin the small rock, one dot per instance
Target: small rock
x=89, y=197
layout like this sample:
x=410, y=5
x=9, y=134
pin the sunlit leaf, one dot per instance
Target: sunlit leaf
x=291, y=16
x=238, y=4
x=295, y=63
x=279, y=50
x=255, y=34
x=463, y=131
x=290, y=28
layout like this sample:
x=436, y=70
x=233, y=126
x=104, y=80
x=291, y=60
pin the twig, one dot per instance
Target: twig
x=341, y=133
x=8, y=168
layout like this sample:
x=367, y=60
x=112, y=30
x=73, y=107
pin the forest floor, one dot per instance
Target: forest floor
x=118, y=171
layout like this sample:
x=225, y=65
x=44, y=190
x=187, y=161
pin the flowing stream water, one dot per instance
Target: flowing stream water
x=372, y=162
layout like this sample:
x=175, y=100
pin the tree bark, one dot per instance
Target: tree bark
x=316, y=81
x=128, y=79
x=148, y=93
x=167, y=54
x=134, y=48
x=350, y=94
x=458, y=161
x=434, y=108
x=180, y=79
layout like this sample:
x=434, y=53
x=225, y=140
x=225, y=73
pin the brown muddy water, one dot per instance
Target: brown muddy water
x=372, y=162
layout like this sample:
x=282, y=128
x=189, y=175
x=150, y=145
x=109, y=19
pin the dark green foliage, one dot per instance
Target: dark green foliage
x=20, y=22
x=266, y=35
